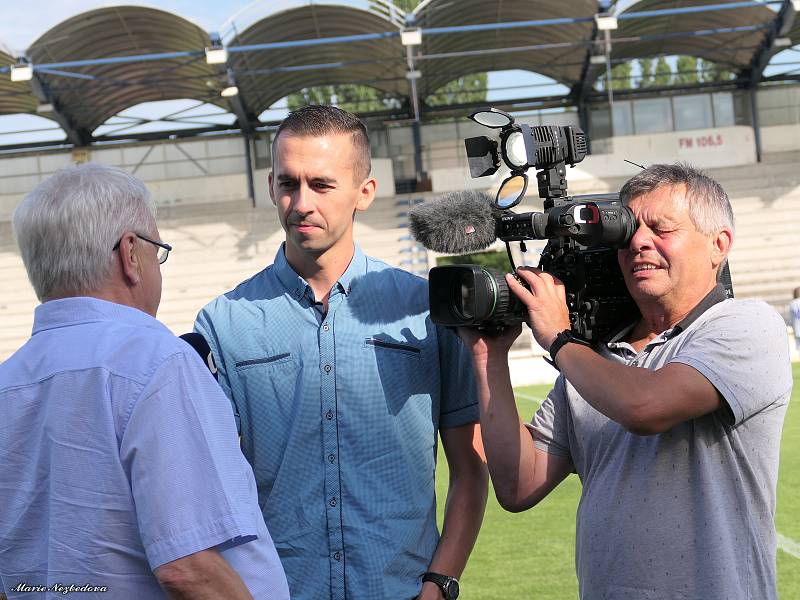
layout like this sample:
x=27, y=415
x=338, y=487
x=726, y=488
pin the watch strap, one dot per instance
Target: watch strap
x=563, y=338
x=444, y=583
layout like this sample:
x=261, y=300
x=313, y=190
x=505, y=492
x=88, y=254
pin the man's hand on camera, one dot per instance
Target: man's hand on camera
x=485, y=345
x=546, y=302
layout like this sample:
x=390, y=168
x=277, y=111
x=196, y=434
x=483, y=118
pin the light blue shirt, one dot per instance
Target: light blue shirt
x=339, y=418
x=118, y=453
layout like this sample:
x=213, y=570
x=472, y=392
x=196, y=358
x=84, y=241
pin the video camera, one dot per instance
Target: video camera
x=583, y=233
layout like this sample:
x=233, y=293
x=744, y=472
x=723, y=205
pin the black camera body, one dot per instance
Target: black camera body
x=583, y=233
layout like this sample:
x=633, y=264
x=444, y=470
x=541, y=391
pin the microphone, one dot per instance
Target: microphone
x=200, y=345
x=457, y=223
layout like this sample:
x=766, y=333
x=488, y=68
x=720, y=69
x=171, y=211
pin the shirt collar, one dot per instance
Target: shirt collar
x=298, y=286
x=84, y=309
x=713, y=297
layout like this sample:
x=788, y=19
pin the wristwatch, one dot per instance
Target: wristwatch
x=564, y=337
x=448, y=585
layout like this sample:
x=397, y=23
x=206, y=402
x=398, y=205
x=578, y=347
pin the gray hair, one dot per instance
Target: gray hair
x=67, y=226
x=708, y=204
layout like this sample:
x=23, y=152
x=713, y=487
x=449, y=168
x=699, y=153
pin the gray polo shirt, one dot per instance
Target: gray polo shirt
x=688, y=513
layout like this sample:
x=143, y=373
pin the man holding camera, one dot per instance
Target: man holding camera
x=341, y=383
x=673, y=423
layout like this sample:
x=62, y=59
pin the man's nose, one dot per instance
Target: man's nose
x=301, y=201
x=642, y=239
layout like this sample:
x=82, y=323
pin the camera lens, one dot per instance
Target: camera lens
x=464, y=301
x=471, y=295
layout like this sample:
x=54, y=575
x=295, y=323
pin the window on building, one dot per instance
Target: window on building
x=692, y=112
x=653, y=115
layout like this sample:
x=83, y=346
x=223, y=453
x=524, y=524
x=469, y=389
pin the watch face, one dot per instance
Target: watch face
x=451, y=589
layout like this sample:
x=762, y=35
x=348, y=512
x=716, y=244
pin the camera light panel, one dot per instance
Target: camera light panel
x=515, y=150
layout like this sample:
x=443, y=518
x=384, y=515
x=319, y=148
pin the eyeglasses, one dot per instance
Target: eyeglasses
x=163, y=252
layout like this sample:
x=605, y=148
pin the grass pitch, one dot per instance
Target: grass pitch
x=531, y=555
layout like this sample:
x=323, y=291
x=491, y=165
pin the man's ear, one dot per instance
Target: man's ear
x=721, y=243
x=271, y=193
x=130, y=261
x=366, y=193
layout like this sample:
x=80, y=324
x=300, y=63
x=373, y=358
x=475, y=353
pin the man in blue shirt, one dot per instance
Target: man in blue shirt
x=341, y=382
x=120, y=471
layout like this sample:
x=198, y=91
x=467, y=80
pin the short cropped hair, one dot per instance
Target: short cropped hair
x=67, y=226
x=709, y=206
x=319, y=120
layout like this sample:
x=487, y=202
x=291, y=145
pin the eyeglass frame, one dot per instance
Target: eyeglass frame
x=166, y=247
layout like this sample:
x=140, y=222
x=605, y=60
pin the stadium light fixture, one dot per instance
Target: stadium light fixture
x=605, y=22
x=411, y=37
x=782, y=42
x=216, y=55
x=44, y=108
x=796, y=5
x=597, y=59
x=22, y=71
x=231, y=89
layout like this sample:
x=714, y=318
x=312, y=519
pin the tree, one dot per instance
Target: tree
x=663, y=75
x=469, y=88
x=620, y=77
x=710, y=71
x=646, y=77
x=353, y=98
x=687, y=70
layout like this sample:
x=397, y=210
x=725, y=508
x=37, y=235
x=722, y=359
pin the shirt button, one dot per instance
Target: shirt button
x=327, y=368
x=332, y=502
x=337, y=556
x=329, y=415
x=325, y=327
x=331, y=458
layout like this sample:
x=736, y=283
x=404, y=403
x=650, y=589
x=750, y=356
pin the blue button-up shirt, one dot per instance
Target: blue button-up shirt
x=118, y=453
x=339, y=418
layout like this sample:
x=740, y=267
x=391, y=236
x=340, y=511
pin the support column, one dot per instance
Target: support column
x=251, y=188
x=755, y=122
x=418, y=170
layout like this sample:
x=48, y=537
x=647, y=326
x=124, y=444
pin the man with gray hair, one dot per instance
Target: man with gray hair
x=120, y=470
x=673, y=423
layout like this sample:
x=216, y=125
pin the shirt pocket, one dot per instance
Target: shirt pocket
x=401, y=376
x=276, y=359
x=264, y=390
x=400, y=348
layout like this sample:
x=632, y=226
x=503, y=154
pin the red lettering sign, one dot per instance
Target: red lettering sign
x=702, y=141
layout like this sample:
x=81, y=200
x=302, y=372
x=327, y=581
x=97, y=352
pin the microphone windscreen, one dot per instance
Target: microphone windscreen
x=456, y=223
x=200, y=345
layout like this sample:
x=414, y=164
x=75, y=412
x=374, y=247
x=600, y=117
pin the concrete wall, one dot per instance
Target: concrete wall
x=780, y=138
x=198, y=171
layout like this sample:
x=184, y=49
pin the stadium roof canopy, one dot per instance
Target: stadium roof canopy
x=96, y=64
